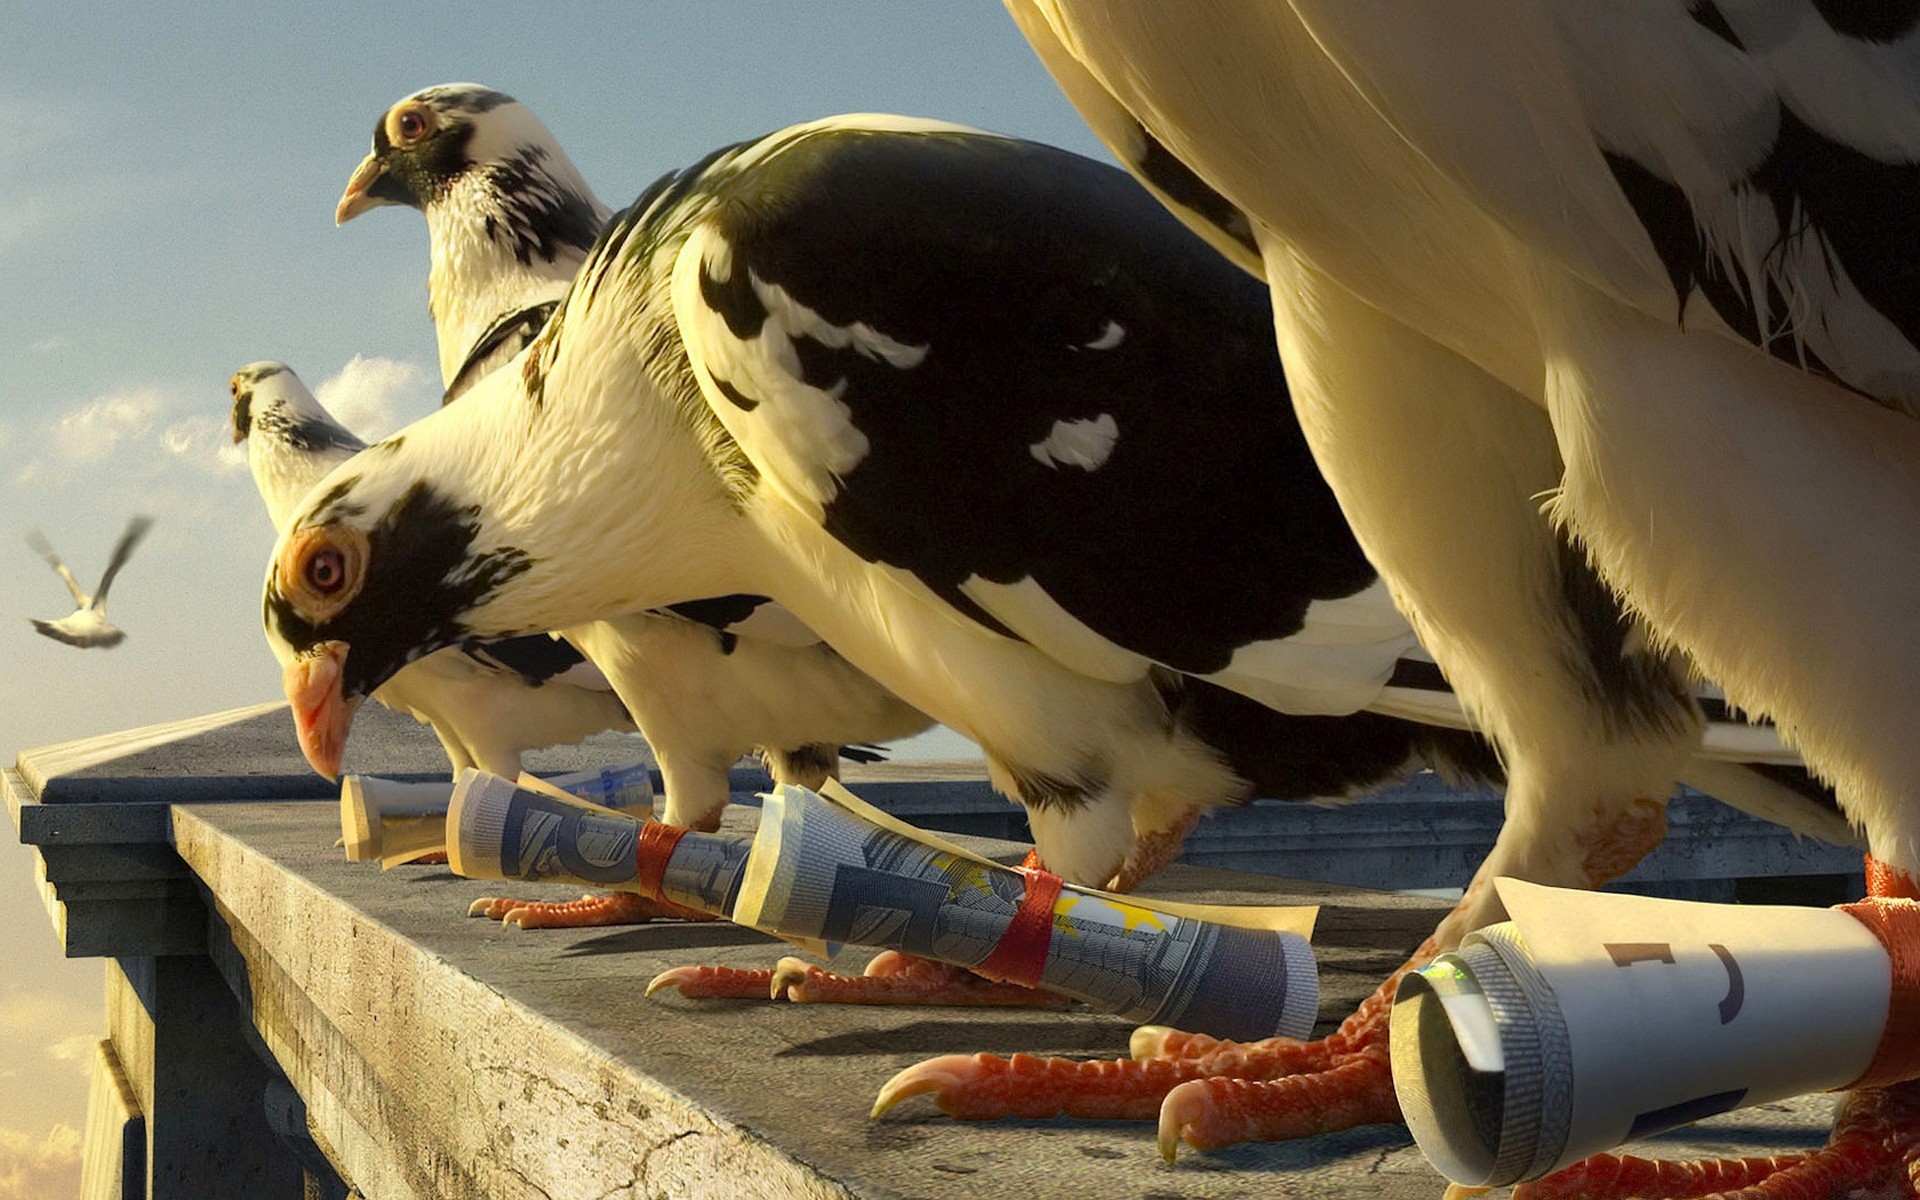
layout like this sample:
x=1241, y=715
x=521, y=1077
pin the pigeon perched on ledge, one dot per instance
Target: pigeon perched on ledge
x=509, y=221
x=1649, y=266
x=87, y=626
x=488, y=702
x=977, y=410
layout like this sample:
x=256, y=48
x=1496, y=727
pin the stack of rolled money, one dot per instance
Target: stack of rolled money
x=394, y=822
x=1591, y=1019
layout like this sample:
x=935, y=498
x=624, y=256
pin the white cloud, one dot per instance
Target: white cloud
x=50, y=345
x=375, y=396
x=37, y=1011
x=40, y=1167
x=77, y=1049
x=97, y=428
x=205, y=440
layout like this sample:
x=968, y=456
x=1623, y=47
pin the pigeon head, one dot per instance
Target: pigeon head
x=468, y=147
x=379, y=564
x=242, y=386
x=292, y=441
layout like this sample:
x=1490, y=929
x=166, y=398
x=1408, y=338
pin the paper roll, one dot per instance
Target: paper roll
x=819, y=871
x=395, y=822
x=1591, y=1019
x=503, y=831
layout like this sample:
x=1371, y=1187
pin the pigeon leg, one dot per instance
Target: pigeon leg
x=590, y=910
x=1210, y=1093
x=1874, y=1149
x=890, y=978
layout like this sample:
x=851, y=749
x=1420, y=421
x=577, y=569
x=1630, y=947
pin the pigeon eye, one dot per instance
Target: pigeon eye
x=327, y=571
x=322, y=569
x=409, y=125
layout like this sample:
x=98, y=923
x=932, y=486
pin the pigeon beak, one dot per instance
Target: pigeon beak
x=358, y=197
x=321, y=716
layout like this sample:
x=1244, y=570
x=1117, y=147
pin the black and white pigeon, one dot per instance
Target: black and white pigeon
x=87, y=626
x=1651, y=264
x=509, y=221
x=978, y=411
x=489, y=702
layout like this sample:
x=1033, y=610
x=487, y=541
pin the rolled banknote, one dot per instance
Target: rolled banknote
x=1590, y=1019
x=821, y=871
x=396, y=822
x=499, y=830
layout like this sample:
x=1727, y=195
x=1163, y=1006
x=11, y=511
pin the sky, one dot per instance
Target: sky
x=167, y=184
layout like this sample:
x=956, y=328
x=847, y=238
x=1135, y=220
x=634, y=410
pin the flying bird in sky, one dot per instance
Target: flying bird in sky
x=87, y=626
x=488, y=702
x=1077, y=521
x=509, y=221
x=1651, y=263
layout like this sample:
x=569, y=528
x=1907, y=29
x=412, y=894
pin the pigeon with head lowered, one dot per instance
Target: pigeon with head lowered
x=509, y=220
x=487, y=701
x=87, y=626
x=978, y=411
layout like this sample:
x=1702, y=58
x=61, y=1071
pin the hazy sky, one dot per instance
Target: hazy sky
x=167, y=185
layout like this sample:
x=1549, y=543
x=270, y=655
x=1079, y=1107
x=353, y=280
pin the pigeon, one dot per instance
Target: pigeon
x=1648, y=267
x=1011, y=483
x=487, y=702
x=87, y=626
x=510, y=219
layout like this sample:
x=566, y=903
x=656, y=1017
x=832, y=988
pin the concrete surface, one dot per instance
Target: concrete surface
x=442, y=1056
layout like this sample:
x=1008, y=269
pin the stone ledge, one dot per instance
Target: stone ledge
x=443, y=1057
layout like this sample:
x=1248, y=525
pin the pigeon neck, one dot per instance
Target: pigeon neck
x=485, y=264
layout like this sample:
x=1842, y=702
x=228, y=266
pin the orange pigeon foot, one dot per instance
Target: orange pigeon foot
x=1874, y=1152
x=1207, y=1092
x=589, y=911
x=890, y=978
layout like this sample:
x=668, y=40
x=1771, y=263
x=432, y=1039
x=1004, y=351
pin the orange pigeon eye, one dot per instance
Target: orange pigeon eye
x=323, y=568
x=410, y=123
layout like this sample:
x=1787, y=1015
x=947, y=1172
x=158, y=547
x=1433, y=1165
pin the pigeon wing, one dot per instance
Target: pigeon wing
x=45, y=551
x=136, y=529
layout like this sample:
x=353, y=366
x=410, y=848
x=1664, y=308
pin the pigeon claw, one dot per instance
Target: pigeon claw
x=936, y=1075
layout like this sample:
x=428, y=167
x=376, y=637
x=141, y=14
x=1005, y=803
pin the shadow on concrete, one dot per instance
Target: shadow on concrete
x=1042, y=1034
x=650, y=939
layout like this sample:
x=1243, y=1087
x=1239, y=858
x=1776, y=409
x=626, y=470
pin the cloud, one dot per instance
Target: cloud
x=38, y=1011
x=93, y=430
x=206, y=441
x=375, y=396
x=40, y=1167
x=76, y=1049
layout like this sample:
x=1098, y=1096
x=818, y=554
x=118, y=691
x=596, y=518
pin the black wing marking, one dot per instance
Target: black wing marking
x=535, y=657
x=1099, y=406
x=496, y=347
x=719, y=612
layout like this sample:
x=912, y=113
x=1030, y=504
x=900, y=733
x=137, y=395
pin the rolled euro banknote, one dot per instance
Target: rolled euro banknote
x=497, y=829
x=822, y=871
x=395, y=822
x=1591, y=1019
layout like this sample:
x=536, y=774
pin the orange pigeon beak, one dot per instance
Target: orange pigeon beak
x=356, y=200
x=322, y=717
